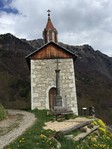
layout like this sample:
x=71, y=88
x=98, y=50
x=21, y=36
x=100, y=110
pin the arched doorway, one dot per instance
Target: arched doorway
x=52, y=97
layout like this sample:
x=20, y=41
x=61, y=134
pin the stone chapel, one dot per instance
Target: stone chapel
x=52, y=73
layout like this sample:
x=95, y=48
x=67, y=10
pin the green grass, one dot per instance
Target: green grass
x=3, y=113
x=38, y=138
x=93, y=141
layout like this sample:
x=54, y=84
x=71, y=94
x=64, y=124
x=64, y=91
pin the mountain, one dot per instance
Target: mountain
x=93, y=75
x=93, y=80
x=14, y=73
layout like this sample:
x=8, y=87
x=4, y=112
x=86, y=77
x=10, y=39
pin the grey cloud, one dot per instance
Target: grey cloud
x=77, y=21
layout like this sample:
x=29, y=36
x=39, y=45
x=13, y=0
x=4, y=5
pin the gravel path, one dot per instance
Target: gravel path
x=27, y=120
x=58, y=126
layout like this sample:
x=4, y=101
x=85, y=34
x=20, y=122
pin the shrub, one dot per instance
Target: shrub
x=3, y=113
x=102, y=126
x=101, y=123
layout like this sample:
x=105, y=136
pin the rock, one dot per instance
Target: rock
x=69, y=136
x=84, y=129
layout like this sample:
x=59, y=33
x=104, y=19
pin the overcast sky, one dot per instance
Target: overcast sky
x=77, y=21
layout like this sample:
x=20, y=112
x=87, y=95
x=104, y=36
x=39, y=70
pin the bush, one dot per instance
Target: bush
x=102, y=126
x=3, y=113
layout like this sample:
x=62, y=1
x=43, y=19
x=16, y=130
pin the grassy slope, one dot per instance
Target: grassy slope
x=37, y=138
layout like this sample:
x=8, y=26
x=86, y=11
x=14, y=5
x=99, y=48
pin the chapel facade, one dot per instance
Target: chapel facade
x=52, y=73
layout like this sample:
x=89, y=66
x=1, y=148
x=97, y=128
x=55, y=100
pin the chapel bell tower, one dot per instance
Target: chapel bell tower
x=50, y=32
x=52, y=73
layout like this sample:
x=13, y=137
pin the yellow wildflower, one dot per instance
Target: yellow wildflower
x=42, y=136
x=94, y=139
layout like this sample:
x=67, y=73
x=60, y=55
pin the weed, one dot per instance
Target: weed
x=3, y=113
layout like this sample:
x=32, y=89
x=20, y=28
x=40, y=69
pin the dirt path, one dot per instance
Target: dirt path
x=57, y=126
x=17, y=122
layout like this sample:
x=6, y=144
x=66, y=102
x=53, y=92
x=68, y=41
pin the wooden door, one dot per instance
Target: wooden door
x=52, y=97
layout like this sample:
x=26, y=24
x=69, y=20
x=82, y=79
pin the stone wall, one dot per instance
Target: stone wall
x=43, y=78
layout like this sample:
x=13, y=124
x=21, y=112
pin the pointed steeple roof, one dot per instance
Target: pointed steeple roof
x=49, y=24
x=50, y=32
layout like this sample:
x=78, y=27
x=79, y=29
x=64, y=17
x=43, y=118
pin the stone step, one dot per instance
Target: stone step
x=84, y=134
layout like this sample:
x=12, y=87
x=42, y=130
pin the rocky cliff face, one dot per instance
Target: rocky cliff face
x=93, y=75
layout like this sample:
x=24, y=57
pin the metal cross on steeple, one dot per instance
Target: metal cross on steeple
x=48, y=12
